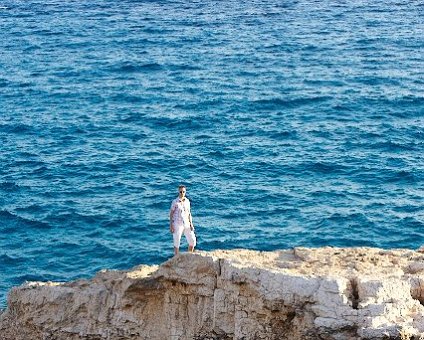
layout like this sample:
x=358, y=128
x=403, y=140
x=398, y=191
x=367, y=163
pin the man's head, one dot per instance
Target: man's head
x=182, y=191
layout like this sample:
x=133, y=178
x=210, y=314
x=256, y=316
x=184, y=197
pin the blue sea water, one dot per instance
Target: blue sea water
x=292, y=123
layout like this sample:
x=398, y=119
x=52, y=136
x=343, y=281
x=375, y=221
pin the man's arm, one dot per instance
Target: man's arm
x=190, y=219
x=191, y=222
x=171, y=212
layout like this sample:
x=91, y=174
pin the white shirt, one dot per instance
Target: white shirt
x=180, y=209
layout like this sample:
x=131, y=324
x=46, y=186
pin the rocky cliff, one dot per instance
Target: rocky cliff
x=324, y=293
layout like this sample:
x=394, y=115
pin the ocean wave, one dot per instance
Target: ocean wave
x=185, y=67
x=408, y=208
x=17, y=128
x=360, y=218
x=137, y=68
x=9, y=186
x=324, y=167
x=78, y=219
x=4, y=82
x=122, y=97
x=99, y=250
x=185, y=124
x=274, y=103
x=413, y=223
x=408, y=101
x=17, y=223
x=282, y=135
x=9, y=260
x=406, y=176
x=201, y=105
x=370, y=142
x=34, y=164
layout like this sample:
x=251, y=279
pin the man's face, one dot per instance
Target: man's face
x=182, y=192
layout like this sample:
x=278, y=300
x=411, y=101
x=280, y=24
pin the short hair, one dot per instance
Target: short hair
x=181, y=186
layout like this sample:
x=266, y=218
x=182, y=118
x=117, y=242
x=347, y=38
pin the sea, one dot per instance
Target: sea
x=293, y=123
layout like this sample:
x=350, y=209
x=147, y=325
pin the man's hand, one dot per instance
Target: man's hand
x=171, y=229
x=192, y=227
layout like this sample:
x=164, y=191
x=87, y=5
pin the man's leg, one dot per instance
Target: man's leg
x=178, y=232
x=191, y=239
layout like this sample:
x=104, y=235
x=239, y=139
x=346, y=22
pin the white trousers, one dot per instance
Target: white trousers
x=189, y=234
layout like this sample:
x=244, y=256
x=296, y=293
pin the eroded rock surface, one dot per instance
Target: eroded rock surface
x=324, y=293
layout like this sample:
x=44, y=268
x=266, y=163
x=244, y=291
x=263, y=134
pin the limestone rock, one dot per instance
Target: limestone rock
x=303, y=293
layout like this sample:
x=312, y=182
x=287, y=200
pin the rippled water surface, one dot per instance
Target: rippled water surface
x=293, y=123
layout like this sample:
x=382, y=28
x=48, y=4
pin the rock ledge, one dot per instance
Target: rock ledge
x=302, y=293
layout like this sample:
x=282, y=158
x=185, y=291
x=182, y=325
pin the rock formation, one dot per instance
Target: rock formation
x=324, y=293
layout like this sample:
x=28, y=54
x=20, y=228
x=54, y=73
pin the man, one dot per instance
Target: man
x=181, y=221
